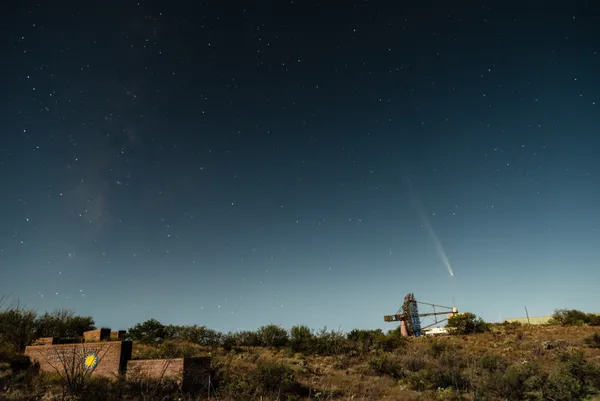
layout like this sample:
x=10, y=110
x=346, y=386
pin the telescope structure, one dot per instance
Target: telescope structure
x=410, y=318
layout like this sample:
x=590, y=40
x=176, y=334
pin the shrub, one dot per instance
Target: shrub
x=413, y=363
x=437, y=348
x=150, y=332
x=17, y=328
x=466, y=323
x=592, y=341
x=520, y=381
x=248, y=339
x=390, y=342
x=63, y=323
x=329, y=342
x=386, y=366
x=237, y=387
x=229, y=341
x=438, y=377
x=492, y=363
x=301, y=339
x=587, y=374
x=177, y=349
x=561, y=387
x=593, y=320
x=273, y=336
x=574, y=317
x=200, y=335
x=364, y=339
x=512, y=325
x=275, y=378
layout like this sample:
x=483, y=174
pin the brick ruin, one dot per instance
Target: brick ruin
x=106, y=353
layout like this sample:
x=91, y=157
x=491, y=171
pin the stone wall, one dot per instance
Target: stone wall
x=106, y=359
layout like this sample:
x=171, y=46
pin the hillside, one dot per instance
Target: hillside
x=508, y=362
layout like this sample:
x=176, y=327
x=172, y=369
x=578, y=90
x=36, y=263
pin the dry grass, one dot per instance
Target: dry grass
x=469, y=367
x=353, y=378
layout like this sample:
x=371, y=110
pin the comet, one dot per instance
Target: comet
x=429, y=228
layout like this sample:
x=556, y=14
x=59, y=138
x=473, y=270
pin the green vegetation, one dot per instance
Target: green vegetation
x=466, y=323
x=593, y=341
x=484, y=362
x=574, y=317
x=19, y=326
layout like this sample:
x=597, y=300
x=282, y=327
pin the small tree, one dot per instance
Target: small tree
x=150, y=332
x=273, y=336
x=593, y=319
x=248, y=338
x=17, y=327
x=364, y=339
x=391, y=341
x=301, y=339
x=568, y=317
x=592, y=341
x=63, y=323
x=330, y=342
x=466, y=323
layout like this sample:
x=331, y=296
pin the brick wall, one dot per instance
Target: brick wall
x=193, y=373
x=111, y=357
x=117, y=335
x=97, y=335
x=156, y=369
x=44, y=341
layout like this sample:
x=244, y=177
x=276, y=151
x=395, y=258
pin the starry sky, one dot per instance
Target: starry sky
x=234, y=164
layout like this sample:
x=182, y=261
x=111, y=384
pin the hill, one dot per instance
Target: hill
x=509, y=361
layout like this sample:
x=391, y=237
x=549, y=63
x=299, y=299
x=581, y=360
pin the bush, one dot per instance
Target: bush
x=561, y=387
x=273, y=336
x=273, y=377
x=200, y=335
x=492, y=363
x=268, y=379
x=364, y=339
x=391, y=341
x=437, y=348
x=438, y=377
x=386, y=366
x=413, y=363
x=593, y=320
x=329, y=342
x=466, y=323
x=247, y=339
x=301, y=339
x=568, y=317
x=63, y=323
x=520, y=381
x=592, y=341
x=150, y=332
x=586, y=374
x=237, y=387
x=177, y=349
x=574, y=317
x=17, y=328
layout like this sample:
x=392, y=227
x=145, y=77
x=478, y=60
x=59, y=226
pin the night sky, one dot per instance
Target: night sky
x=230, y=164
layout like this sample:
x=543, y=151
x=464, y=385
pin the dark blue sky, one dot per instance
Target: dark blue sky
x=234, y=165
